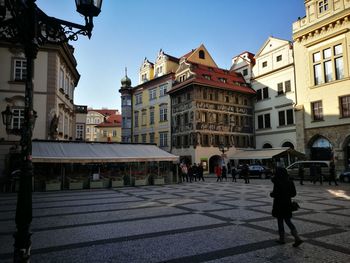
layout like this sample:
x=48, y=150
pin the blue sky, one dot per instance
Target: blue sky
x=127, y=31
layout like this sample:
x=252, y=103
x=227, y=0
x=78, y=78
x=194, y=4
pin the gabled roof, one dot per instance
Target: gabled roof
x=172, y=58
x=282, y=41
x=191, y=56
x=233, y=81
x=251, y=56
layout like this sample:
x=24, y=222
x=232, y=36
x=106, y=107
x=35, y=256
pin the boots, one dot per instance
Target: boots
x=281, y=239
x=297, y=239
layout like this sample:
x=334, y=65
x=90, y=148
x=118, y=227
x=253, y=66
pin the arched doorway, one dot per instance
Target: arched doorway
x=267, y=145
x=288, y=144
x=347, y=152
x=213, y=161
x=321, y=149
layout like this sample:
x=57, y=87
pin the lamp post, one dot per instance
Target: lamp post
x=23, y=23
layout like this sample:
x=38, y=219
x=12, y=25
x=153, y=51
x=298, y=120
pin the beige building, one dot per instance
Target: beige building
x=273, y=81
x=55, y=78
x=244, y=63
x=98, y=130
x=321, y=51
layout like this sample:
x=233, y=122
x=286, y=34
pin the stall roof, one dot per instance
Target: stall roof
x=264, y=153
x=81, y=152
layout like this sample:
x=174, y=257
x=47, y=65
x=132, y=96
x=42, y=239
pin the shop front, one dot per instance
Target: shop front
x=84, y=165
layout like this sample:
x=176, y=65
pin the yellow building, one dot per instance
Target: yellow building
x=321, y=52
x=150, y=102
x=100, y=128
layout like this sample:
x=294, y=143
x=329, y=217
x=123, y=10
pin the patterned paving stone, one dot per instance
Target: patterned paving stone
x=189, y=222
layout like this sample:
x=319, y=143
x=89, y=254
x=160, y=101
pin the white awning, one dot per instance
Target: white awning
x=259, y=154
x=81, y=152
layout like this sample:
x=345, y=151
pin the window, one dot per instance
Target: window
x=259, y=95
x=138, y=98
x=144, y=138
x=114, y=133
x=151, y=137
x=136, y=138
x=136, y=119
x=163, y=112
x=201, y=54
x=163, y=90
x=245, y=72
x=152, y=94
x=144, y=118
x=287, y=86
x=345, y=106
x=266, y=93
x=204, y=117
x=328, y=65
x=87, y=129
x=286, y=117
x=280, y=88
x=317, y=111
x=208, y=77
x=185, y=141
x=151, y=116
x=279, y=58
x=322, y=6
x=205, y=140
x=17, y=118
x=264, y=121
x=163, y=139
x=20, y=69
x=79, y=131
x=105, y=133
x=264, y=64
x=61, y=79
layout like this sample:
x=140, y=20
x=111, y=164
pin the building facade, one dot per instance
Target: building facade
x=210, y=107
x=151, y=103
x=96, y=117
x=244, y=63
x=273, y=81
x=321, y=48
x=110, y=130
x=126, y=100
x=55, y=79
x=80, y=122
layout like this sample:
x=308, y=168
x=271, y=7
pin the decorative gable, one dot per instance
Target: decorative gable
x=201, y=56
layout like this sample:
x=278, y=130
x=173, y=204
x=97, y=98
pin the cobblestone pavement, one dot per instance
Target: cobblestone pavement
x=189, y=222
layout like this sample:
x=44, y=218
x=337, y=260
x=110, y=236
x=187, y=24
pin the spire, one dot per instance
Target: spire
x=126, y=82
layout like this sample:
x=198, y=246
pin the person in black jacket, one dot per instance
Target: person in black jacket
x=283, y=191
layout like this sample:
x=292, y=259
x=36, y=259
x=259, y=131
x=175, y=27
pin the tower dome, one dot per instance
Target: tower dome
x=126, y=82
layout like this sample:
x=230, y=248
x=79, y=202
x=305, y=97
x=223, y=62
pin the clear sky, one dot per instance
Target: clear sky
x=127, y=31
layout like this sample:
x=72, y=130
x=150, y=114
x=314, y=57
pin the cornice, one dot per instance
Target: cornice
x=322, y=26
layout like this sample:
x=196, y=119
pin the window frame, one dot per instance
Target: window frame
x=341, y=106
x=317, y=112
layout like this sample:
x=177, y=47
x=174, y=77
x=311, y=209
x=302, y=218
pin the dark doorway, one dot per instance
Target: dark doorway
x=321, y=149
x=213, y=161
x=288, y=144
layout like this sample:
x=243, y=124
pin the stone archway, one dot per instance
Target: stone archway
x=320, y=148
x=213, y=161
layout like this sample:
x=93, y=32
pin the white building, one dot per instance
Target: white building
x=244, y=63
x=273, y=80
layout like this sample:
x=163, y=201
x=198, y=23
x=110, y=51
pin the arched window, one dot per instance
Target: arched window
x=201, y=54
x=288, y=144
x=267, y=145
x=321, y=149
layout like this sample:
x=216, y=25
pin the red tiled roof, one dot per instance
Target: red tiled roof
x=189, y=53
x=234, y=81
x=111, y=121
x=105, y=112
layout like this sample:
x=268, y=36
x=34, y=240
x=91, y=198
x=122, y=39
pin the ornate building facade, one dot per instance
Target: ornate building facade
x=211, y=107
x=322, y=59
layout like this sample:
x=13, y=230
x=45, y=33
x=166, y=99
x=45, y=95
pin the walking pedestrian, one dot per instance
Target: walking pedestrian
x=313, y=173
x=234, y=174
x=218, y=171
x=301, y=173
x=283, y=191
x=195, y=172
x=245, y=173
x=184, y=172
x=332, y=174
x=224, y=173
x=200, y=172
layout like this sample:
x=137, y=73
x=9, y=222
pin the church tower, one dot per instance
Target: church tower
x=126, y=98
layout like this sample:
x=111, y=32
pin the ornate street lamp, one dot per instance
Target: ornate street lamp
x=7, y=117
x=23, y=23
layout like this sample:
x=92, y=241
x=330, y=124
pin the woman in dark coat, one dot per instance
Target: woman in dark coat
x=283, y=191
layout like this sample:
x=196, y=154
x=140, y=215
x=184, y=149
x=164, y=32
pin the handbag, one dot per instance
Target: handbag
x=295, y=206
